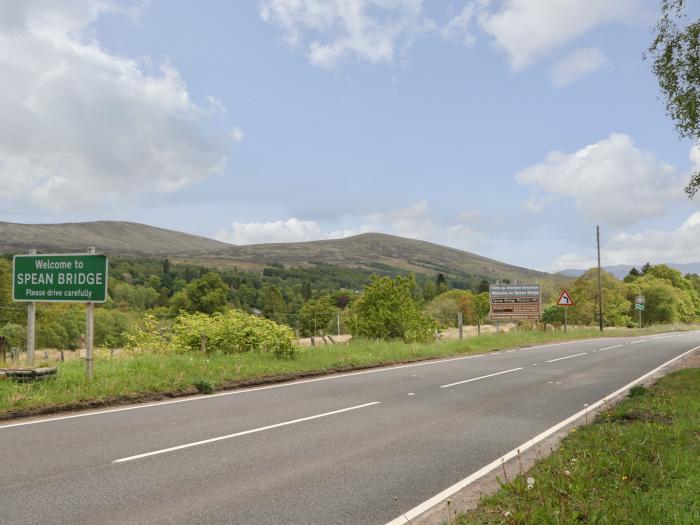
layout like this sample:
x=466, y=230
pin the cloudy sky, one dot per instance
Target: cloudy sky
x=508, y=128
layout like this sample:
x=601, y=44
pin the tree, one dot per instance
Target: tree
x=387, y=310
x=429, y=291
x=483, y=286
x=306, y=291
x=315, y=315
x=207, y=294
x=675, y=51
x=616, y=304
x=272, y=304
x=553, y=315
x=444, y=308
x=481, y=310
x=10, y=312
x=441, y=283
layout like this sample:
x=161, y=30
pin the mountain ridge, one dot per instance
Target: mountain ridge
x=367, y=250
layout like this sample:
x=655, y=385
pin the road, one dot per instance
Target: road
x=328, y=450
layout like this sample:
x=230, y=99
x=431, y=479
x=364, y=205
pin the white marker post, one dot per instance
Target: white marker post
x=89, y=332
x=31, y=321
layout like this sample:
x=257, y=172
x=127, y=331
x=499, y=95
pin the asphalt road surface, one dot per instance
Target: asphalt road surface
x=328, y=450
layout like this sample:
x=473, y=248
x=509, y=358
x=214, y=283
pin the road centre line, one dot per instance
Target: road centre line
x=450, y=491
x=482, y=377
x=278, y=385
x=640, y=341
x=567, y=357
x=244, y=433
x=609, y=348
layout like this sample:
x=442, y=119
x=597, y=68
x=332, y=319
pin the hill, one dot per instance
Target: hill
x=111, y=237
x=369, y=251
x=621, y=270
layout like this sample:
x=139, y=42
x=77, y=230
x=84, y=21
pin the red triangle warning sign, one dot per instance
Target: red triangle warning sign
x=565, y=299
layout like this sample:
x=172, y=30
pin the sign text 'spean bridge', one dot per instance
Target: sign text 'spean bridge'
x=74, y=278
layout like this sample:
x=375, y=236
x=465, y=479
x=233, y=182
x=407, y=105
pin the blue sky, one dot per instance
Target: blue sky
x=507, y=128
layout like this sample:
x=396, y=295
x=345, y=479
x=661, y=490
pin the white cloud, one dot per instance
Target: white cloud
x=413, y=221
x=291, y=230
x=576, y=65
x=527, y=30
x=656, y=246
x=333, y=30
x=237, y=134
x=460, y=26
x=79, y=125
x=612, y=181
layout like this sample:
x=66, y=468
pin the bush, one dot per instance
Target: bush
x=233, y=332
x=15, y=334
x=387, y=310
x=152, y=337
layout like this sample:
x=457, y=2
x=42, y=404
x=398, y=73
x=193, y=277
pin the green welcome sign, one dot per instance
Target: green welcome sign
x=74, y=278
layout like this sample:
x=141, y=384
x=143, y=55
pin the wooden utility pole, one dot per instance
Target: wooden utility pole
x=600, y=287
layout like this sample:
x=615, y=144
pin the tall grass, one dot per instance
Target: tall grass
x=637, y=463
x=125, y=378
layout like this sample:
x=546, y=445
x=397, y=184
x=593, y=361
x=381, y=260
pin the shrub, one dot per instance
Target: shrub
x=152, y=337
x=388, y=310
x=233, y=332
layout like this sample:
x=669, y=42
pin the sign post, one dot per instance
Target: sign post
x=60, y=278
x=565, y=300
x=31, y=321
x=639, y=305
x=515, y=302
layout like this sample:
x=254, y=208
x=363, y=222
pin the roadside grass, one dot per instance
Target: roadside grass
x=639, y=463
x=136, y=378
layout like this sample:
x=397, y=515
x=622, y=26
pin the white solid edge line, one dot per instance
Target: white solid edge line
x=481, y=377
x=566, y=357
x=278, y=385
x=244, y=433
x=609, y=348
x=428, y=504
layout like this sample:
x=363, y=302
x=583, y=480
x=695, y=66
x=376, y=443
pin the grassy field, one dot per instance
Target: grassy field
x=638, y=463
x=148, y=376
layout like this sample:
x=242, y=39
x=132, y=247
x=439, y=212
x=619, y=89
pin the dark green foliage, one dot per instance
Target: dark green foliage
x=204, y=386
x=315, y=316
x=675, y=53
x=637, y=391
x=208, y=294
x=388, y=310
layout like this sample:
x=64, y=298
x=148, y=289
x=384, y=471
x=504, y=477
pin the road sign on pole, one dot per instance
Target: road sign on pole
x=639, y=305
x=515, y=302
x=74, y=278
x=61, y=278
x=565, y=300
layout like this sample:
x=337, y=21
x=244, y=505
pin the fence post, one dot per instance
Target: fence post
x=459, y=324
x=203, y=342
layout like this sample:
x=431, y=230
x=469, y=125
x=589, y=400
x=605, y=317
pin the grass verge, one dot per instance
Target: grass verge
x=639, y=462
x=150, y=377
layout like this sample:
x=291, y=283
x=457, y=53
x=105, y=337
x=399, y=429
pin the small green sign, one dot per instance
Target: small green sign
x=639, y=306
x=75, y=278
